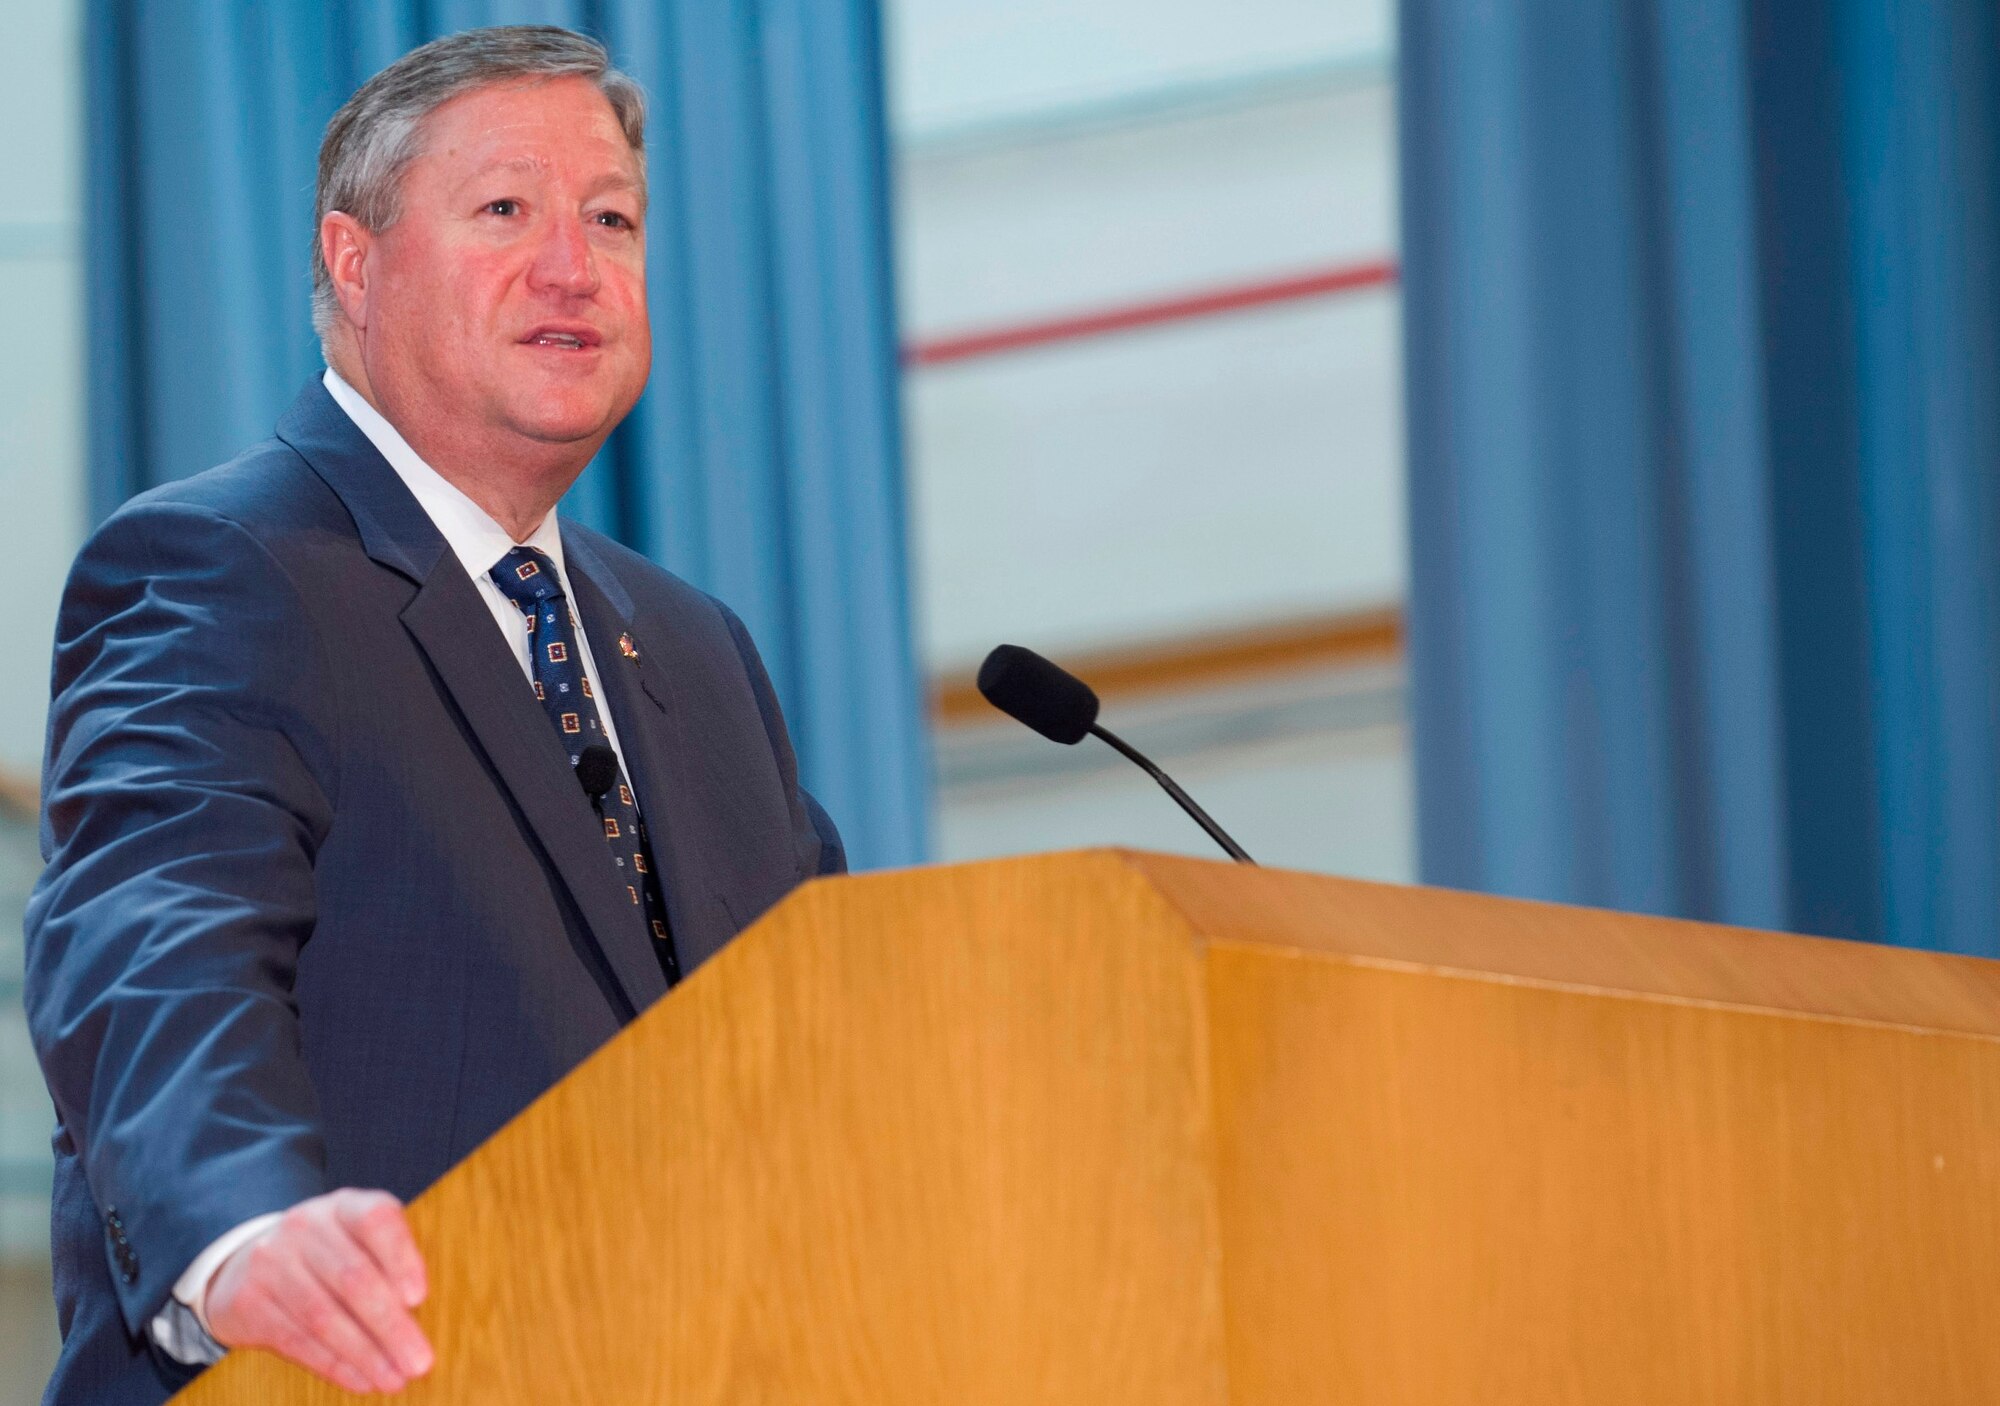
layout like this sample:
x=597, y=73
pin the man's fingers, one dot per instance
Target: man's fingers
x=277, y=1330
x=375, y=1218
x=349, y=1273
x=325, y=1320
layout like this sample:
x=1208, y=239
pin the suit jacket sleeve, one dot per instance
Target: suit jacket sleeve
x=815, y=839
x=187, y=788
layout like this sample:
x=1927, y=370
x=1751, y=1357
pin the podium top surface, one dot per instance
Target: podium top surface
x=1478, y=935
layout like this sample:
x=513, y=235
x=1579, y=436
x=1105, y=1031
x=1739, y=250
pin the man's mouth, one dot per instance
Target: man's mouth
x=562, y=341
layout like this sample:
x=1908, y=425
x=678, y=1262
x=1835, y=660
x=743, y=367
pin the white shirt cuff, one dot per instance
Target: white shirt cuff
x=181, y=1328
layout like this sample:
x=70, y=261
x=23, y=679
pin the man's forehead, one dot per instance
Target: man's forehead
x=625, y=171
x=514, y=127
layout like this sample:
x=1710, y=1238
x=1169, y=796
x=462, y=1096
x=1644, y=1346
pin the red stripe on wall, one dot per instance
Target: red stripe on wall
x=992, y=341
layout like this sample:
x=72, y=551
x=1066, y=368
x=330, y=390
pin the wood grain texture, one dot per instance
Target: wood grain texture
x=938, y=1136
x=1107, y=1128
x=1479, y=1151
x=1460, y=1190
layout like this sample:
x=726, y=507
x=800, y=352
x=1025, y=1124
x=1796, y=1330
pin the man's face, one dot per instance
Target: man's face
x=509, y=296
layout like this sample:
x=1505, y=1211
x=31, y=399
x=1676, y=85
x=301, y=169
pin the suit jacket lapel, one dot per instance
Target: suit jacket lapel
x=453, y=627
x=641, y=696
x=455, y=630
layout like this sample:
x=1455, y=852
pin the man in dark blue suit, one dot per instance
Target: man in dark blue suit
x=326, y=901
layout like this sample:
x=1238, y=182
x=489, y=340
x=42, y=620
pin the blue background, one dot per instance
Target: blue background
x=1701, y=315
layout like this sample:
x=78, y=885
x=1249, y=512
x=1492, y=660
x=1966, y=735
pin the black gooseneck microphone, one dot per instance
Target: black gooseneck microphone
x=596, y=769
x=1062, y=707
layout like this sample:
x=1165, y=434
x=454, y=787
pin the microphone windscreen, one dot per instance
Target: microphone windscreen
x=1028, y=688
x=596, y=769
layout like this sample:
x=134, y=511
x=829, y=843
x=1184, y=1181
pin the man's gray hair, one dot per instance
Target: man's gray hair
x=378, y=132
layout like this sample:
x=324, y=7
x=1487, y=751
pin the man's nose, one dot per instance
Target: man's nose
x=565, y=262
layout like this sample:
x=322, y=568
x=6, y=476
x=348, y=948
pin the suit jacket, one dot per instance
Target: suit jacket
x=324, y=903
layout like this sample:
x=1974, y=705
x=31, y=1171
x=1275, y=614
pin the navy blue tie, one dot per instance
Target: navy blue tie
x=528, y=578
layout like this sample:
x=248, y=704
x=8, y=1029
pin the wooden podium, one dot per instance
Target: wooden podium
x=1112, y=1128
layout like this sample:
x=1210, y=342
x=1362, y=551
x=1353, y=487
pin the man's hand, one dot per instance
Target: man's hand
x=330, y=1287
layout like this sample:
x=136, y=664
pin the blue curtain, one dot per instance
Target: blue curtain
x=1703, y=330
x=763, y=463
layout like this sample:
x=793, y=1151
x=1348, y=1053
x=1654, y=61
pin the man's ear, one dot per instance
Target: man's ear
x=345, y=245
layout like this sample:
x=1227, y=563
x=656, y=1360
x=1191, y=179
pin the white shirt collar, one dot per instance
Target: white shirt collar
x=476, y=539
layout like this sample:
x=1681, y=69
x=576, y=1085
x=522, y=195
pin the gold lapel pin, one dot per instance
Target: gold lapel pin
x=627, y=648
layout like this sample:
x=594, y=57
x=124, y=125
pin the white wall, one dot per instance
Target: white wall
x=1192, y=476
x=1059, y=157
x=41, y=521
x=1307, y=772
x=1323, y=802
x=958, y=63
x=1278, y=179
x=1185, y=479
x=41, y=358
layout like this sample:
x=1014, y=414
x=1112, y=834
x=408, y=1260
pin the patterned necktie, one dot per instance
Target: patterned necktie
x=528, y=578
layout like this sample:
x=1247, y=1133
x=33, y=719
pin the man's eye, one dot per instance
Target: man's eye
x=611, y=219
x=503, y=207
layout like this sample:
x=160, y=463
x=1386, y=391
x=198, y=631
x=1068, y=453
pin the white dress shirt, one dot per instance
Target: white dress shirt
x=474, y=537
x=478, y=542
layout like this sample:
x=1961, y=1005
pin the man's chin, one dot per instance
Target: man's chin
x=565, y=420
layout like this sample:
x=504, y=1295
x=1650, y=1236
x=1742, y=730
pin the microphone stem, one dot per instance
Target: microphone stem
x=1185, y=801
